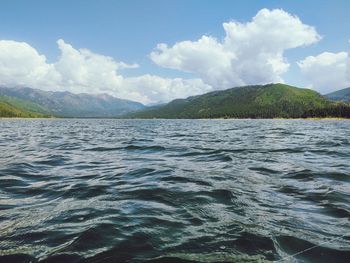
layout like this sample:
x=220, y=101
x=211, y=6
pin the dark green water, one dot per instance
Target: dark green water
x=174, y=190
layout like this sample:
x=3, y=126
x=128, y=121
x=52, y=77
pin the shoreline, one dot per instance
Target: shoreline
x=29, y=118
x=111, y=118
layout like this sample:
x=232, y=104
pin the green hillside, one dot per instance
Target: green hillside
x=25, y=105
x=260, y=101
x=7, y=110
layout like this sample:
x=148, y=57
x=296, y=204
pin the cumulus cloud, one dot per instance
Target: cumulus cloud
x=20, y=64
x=80, y=70
x=327, y=71
x=250, y=53
x=83, y=70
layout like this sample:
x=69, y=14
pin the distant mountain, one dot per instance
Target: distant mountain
x=340, y=95
x=8, y=110
x=260, y=101
x=66, y=104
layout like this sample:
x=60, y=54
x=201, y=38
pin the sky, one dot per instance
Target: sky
x=158, y=50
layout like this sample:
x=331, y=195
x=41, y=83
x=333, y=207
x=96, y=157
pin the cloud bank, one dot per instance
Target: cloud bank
x=80, y=70
x=327, y=71
x=249, y=53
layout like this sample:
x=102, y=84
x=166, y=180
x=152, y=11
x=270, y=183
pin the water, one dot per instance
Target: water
x=174, y=190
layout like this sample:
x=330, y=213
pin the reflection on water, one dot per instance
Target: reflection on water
x=174, y=190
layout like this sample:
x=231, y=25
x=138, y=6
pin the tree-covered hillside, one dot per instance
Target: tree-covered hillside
x=260, y=101
x=25, y=105
x=7, y=110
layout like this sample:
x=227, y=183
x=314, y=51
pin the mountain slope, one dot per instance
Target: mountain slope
x=24, y=105
x=260, y=101
x=66, y=104
x=340, y=95
x=7, y=110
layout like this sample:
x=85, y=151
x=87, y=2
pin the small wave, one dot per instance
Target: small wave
x=303, y=175
x=287, y=150
x=335, y=210
x=127, y=148
x=103, y=149
x=264, y=170
x=179, y=179
x=53, y=160
x=214, y=155
x=145, y=148
x=215, y=257
x=299, y=249
x=83, y=191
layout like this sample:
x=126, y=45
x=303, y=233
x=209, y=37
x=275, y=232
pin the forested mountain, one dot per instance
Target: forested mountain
x=259, y=101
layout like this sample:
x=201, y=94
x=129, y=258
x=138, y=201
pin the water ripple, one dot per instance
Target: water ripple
x=174, y=191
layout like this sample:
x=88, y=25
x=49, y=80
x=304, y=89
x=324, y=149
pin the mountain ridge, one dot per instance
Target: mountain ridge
x=339, y=95
x=67, y=104
x=255, y=101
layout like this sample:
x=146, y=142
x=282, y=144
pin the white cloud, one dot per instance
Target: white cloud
x=250, y=53
x=327, y=72
x=157, y=88
x=80, y=70
x=20, y=64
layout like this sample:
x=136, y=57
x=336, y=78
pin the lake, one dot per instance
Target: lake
x=104, y=190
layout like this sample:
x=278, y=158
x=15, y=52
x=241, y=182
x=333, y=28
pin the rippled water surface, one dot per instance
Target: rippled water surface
x=174, y=190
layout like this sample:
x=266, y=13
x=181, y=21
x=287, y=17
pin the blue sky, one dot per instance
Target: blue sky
x=130, y=30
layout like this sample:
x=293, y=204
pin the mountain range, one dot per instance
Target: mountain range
x=257, y=101
x=66, y=104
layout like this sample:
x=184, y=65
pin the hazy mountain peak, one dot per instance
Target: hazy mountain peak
x=340, y=95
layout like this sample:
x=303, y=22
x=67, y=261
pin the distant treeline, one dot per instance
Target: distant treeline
x=336, y=109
